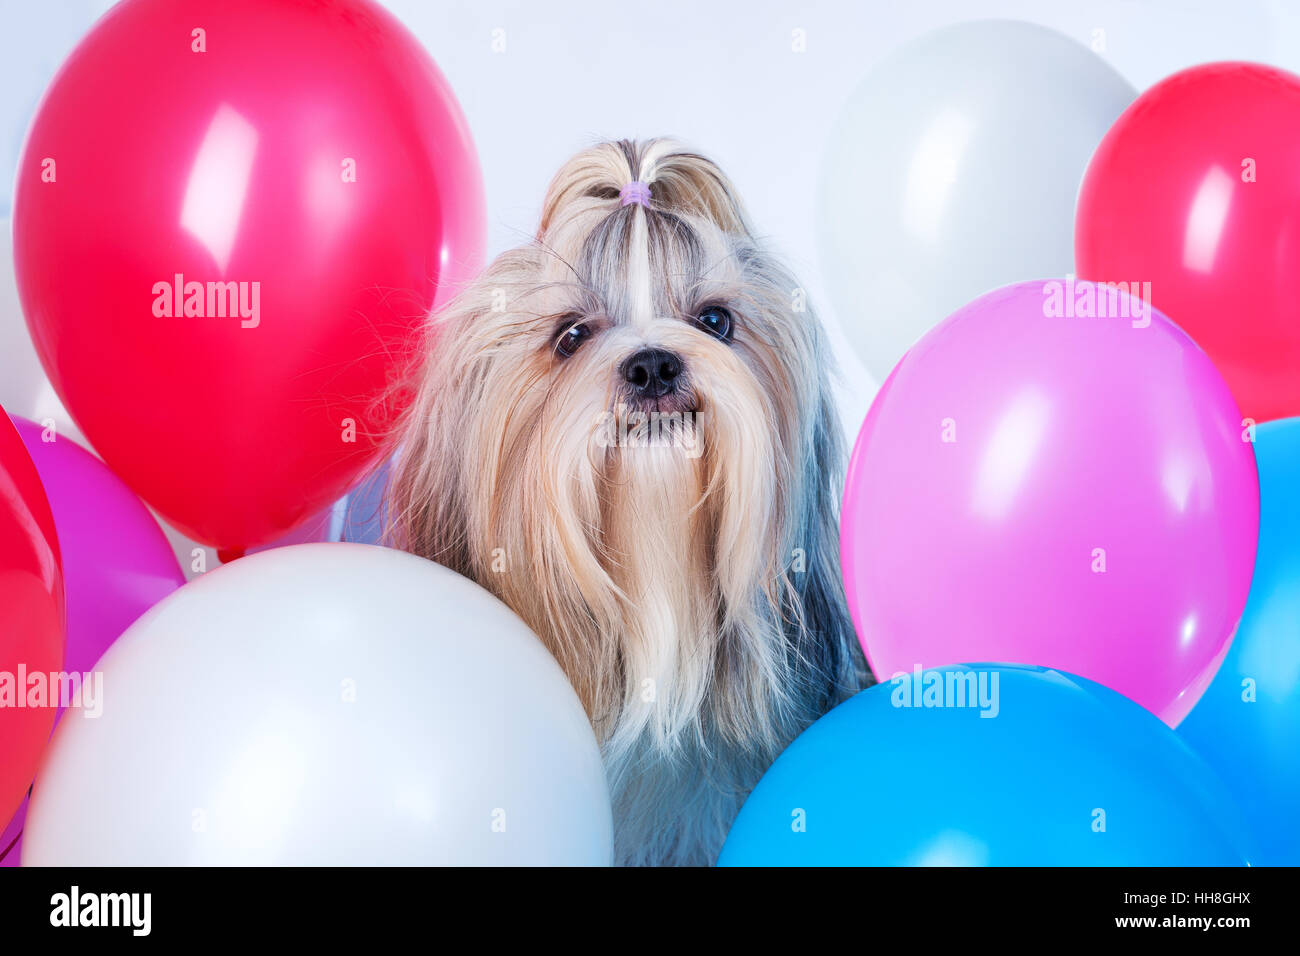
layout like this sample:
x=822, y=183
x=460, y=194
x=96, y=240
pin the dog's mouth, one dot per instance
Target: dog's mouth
x=672, y=404
x=681, y=401
x=667, y=420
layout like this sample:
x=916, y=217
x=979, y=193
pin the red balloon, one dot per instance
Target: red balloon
x=31, y=618
x=230, y=222
x=1195, y=191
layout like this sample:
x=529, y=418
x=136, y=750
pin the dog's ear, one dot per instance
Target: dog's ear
x=443, y=477
x=425, y=507
x=820, y=629
x=815, y=619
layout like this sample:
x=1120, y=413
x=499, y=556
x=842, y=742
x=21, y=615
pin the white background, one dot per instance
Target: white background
x=720, y=75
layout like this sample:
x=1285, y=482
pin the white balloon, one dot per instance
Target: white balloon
x=325, y=704
x=953, y=170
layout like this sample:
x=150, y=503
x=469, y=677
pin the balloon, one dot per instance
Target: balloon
x=325, y=704
x=1053, y=489
x=255, y=255
x=953, y=170
x=364, y=511
x=1194, y=192
x=196, y=558
x=1247, y=725
x=11, y=837
x=31, y=618
x=1068, y=773
x=116, y=561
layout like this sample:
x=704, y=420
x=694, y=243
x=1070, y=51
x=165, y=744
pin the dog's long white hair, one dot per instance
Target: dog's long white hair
x=688, y=583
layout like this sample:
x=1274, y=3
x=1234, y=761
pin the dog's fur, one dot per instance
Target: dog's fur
x=688, y=584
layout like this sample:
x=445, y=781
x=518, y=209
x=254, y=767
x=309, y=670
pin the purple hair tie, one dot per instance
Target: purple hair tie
x=635, y=192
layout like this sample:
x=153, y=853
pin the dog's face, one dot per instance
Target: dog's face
x=645, y=330
x=625, y=432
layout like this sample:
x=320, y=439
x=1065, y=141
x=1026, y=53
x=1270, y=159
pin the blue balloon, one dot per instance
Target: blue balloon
x=360, y=516
x=1247, y=725
x=988, y=764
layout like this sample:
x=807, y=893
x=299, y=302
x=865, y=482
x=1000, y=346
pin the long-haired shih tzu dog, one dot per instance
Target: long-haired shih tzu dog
x=624, y=430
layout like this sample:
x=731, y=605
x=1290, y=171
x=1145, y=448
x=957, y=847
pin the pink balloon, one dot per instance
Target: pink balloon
x=116, y=560
x=1054, y=476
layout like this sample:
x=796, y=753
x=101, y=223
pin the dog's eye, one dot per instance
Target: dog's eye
x=717, y=322
x=571, y=339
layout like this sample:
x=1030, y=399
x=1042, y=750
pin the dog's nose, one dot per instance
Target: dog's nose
x=652, y=372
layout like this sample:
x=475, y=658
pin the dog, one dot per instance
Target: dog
x=625, y=431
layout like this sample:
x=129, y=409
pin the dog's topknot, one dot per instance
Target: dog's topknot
x=680, y=181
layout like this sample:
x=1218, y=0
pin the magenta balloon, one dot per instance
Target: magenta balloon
x=11, y=837
x=116, y=560
x=1041, y=488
